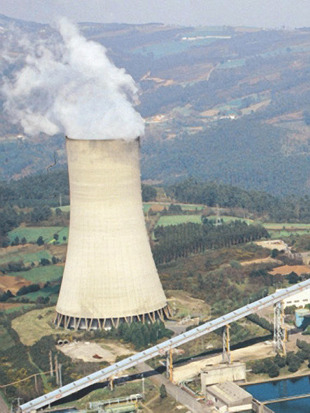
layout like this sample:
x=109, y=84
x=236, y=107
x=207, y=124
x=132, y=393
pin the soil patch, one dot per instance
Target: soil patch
x=183, y=305
x=8, y=282
x=93, y=352
x=6, y=306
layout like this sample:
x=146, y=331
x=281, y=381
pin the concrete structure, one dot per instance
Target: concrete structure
x=160, y=349
x=229, y=397
x=221, y=373
x=109, y=275
x=298, y=300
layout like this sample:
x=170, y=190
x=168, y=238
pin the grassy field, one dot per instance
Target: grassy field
x=33, y=233
x=178, y=219
x=41, y=322
x=285, y=229
x=41, y=274
x=285, y=234
x=65, y=208
x=227, y=218
x=181, y=219
x=26, y=258
x=287, y=226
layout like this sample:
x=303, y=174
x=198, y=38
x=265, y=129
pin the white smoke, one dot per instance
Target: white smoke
x=70, y=86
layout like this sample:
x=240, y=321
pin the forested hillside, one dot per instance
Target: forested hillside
x=225, y=104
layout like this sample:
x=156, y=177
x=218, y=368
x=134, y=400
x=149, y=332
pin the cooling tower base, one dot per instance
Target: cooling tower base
x=81, y=323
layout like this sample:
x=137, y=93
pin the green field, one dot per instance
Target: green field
x=228, y=218
x=41, y=274
x=33, y=233
x=284, y=230
x=185, y=207
x=65, y=208
x=286, y=226
x=178, y=219
x=285, y=234
x=181, y=219
x=26, y=258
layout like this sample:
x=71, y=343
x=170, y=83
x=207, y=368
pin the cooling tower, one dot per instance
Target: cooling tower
x=109, y=275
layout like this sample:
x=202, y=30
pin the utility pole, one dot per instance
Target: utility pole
x=36, y=383
x=143, y=389
x=51, y=364
x=56, y=370
x=59, y=374
x=226, y=356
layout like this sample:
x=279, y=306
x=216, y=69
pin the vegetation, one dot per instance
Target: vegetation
x=262, y=204
x=182, y=240
x=273, y=365
x=139, y=334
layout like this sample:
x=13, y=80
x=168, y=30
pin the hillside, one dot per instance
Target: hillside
x=221, y=103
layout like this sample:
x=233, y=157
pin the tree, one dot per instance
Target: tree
x=56, y=237
x=40, y=240
x=162, y=391
x=293, y=278
x=40, y=213
x=16, y=241
x=273, y=370
x=148, y=193
x=58, y=212
x=44, y=261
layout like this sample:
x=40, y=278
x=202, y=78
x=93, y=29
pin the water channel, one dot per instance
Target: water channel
x=283, y=388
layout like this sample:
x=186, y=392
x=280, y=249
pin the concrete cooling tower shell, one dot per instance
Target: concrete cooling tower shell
x=109, y=275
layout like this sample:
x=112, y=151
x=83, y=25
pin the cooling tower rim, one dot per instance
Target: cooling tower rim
x=104, y=140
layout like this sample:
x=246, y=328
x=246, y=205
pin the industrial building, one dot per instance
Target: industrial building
x=109, y=276
x=229, y=398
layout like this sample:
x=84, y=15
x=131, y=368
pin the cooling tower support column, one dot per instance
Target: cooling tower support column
x=109, y=276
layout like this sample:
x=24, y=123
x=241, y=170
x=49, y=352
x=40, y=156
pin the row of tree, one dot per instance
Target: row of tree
x=175, y=241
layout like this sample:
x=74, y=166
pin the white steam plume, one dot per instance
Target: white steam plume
x=71, y=87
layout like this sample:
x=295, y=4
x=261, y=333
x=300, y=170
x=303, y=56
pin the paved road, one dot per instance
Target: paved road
x=174, y=391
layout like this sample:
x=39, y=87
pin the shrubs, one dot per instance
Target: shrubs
x=139, y=334
x=272, y=366
x=28, y=289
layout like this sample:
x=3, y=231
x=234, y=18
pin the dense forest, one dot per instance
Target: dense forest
x=262, y=204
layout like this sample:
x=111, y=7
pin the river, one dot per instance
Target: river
x=283, y=388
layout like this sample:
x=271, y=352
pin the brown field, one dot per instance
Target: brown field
x=12, y=250
x=12, y=283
